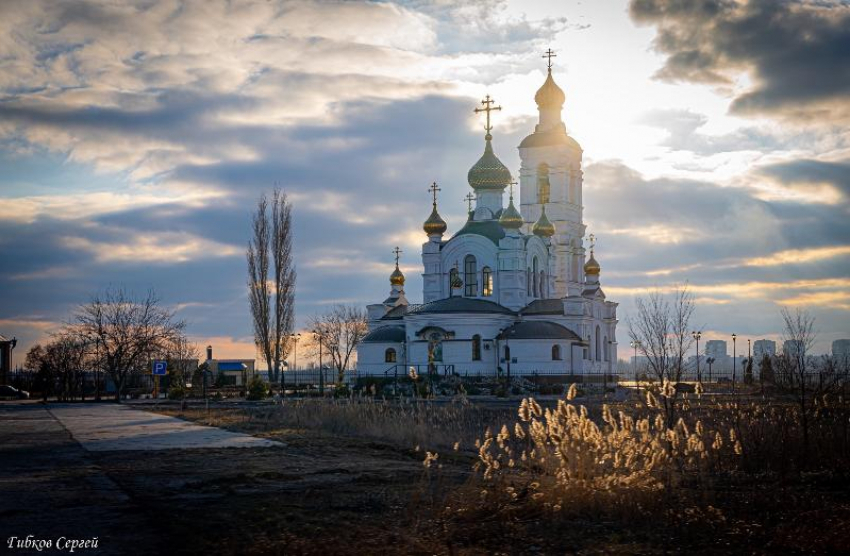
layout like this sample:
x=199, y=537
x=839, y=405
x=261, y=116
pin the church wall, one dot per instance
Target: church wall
x=370, y=357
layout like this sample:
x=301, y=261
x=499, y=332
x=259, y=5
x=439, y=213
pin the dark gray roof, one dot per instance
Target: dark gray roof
x=396, y=312
x=549, y=138
x=591, y=291
x=385, y=334
x=538, y=330
x=491, y=229
x=544, y=307
x=461, y=305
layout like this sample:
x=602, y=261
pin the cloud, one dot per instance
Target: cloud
x=794, y=53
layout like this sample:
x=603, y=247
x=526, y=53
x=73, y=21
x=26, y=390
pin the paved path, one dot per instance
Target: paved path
x=113, y=427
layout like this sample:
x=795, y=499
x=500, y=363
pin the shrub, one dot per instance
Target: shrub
x=257, y=389
x=176, y=392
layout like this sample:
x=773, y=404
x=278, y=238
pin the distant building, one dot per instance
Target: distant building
x=716, y=349
x=234, y=371
x=6, y=348
x=841, y=349
x=791, y=348
x=762, y=348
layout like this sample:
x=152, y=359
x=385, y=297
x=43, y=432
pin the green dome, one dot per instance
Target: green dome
x=489, y=172
x=543, y=227
x=511, y=218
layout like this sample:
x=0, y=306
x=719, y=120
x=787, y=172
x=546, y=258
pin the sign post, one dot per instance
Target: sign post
x=160, y=368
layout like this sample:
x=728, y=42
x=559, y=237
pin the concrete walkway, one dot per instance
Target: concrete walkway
x=114, y=427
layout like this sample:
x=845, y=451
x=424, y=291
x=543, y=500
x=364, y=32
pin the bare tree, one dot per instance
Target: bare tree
x=661, y=328
x=124, y=332
x=182, y=358
x=272, y=297
x=341, y=328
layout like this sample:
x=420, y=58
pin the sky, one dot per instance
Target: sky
x=136, y=137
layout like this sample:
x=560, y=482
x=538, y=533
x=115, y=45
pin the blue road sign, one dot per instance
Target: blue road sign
x=159, y=368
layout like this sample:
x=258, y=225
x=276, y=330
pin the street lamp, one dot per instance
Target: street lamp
x=710, y=361
x=636, y=344
x=734, y=362
x=319, y=336
x=697, y=335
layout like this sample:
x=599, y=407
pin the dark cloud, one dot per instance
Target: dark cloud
x=796, y=52
x=813, y=172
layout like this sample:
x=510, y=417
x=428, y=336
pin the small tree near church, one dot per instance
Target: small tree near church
x=271, y=280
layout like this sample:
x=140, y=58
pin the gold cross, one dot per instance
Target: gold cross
x=512, y=184
x=397, y=252
x=592, y=239
x=469, y=198
x=433, y=189
x=549, y=54
x=487, y=108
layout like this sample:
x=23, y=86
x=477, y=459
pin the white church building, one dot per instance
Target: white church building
x=513, y=291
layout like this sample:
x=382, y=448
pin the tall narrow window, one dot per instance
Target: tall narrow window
x=528, y=281
x=389, y=356
x=543, y=183
x=556, y=352
x=606, y=347
x=453, y=279
x=487, y=278
x=534, y=278
x=476, y=348
x=598, y=345
x=470, y=277
x=543, y=285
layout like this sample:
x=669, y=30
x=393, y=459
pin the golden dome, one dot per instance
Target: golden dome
x=489, y=172
x=435, y=225
x=543, y=227
x=511, y=218
x=549, y=95
x=591, y=266
x=397, y=278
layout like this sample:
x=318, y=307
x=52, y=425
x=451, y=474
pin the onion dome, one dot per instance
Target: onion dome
x=397, y=278
x=543, y=227
x=489, y=173
x=591, y=266
x=511, y=219
x=435, y=225
x=549, y=95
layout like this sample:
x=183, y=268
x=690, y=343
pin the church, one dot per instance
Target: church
x=513, y=292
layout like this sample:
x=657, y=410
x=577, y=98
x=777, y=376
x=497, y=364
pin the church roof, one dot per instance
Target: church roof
x=538, y=330
x=491, y=229
x=396, y=312
x=385, y=334
x=544, y=307
x=461, y=305
x=548, y=139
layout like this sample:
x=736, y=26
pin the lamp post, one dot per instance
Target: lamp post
x=697, y=335
x=710, y=361
x=320, y=337
x=636, y=344
x=734, y=361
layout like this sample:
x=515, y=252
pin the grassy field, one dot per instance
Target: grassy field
x=575, y=475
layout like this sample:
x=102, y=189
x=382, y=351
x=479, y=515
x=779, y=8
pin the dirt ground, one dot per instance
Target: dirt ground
x=323, y=494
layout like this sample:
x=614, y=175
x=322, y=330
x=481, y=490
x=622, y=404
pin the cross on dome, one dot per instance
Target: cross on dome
x=549, y=54
x=433, y=189
x=487, y=102
x=397, y=252
x=469, y=198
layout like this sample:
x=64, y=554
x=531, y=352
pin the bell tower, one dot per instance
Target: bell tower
x=551, y=177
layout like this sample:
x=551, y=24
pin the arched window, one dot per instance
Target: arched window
x=598, y=345
x=606, y=347
x=534, y=278
x=454, y=278
x=487, y=278
x=470, y=271
x=543, y=284
x=389, y=356
x=507, y=353
x=476, y=348
x=528, y=282
x=556, y=352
